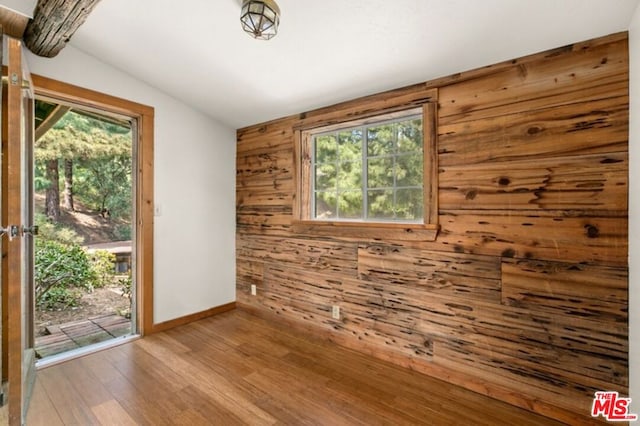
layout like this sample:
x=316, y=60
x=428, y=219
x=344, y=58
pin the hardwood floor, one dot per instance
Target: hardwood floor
x=235, y=368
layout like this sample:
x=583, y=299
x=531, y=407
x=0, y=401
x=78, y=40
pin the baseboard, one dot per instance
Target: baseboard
x=176, y=322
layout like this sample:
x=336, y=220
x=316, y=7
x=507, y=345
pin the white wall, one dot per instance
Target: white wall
x=194, y=251
x=634, y=211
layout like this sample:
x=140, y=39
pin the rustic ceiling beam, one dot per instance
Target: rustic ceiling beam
x=53, y=24
x=13, y=23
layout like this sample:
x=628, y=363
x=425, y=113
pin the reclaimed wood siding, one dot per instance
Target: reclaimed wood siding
x=523, y=295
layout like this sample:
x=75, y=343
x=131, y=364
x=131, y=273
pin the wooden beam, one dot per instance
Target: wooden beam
x=54, y=23
x=13, y=23
x=51, y=120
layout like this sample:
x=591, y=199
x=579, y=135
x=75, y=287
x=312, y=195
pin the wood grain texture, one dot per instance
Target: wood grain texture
x=431, y=159
x=13, y=23
x=312, y=255
x=523, y=293
x=558, y=236
x=248, y=272
x=54, y=23
x=594, y=126
x=518, y=88
x=502, y=389
x=308, y=294
x=236, y=369
x=485, y=71
x=393, y=100
x=560, y=288
x=15, y=321
x=460, y=275
x=592, y=183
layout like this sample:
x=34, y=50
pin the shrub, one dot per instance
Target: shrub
x=103, y=264
x=127, y=291
x=125, y=286
x=60, y=270
x=59, y=298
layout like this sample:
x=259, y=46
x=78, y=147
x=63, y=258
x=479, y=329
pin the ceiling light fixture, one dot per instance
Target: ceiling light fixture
x=260, y=18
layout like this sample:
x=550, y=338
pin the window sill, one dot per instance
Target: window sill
x=377, y=231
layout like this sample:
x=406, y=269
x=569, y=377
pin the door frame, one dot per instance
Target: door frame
x=144, y=203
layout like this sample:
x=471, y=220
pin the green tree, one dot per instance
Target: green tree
x=81, y=141
x=393, y=172
x=105, y=184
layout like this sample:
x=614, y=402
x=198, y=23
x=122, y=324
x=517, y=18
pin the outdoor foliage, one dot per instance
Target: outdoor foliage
x=105, y=185
x=61, y=270
x=102, y=263
x=388, y=186
x=126, y=287
x=91, y=158
x=59, y=298
x=122, y=232
x=50, y=231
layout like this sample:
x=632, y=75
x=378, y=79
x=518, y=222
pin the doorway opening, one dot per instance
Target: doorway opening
x=84, y=193
x=133, y=261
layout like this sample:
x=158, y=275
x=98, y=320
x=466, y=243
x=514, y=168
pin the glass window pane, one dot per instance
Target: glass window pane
x=380, y=172
x=326, y=205
x=350, y=145
x=350, y=205
x=410, y=136
x=326, y=148
x=326, y=176
x=409, y=170
x=380, y=140
x=350, y=175
x=394, y=172
x=380, y=204
x=409, y=204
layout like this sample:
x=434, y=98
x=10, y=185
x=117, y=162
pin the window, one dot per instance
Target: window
x=371, y=172
x=368, y=177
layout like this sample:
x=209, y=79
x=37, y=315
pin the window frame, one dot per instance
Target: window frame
x=303, y=221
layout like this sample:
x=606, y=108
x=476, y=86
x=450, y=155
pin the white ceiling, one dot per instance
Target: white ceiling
x=326, y=50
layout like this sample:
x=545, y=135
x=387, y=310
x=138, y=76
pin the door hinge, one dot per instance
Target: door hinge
x=15, y=80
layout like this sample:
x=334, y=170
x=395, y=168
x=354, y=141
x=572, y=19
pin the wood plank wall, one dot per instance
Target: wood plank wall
x=523, y=295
